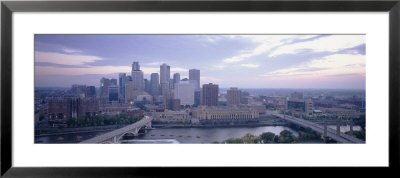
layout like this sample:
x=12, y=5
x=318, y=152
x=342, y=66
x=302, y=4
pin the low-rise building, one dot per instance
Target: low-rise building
x=300, y=106
x=224, y=113
x=340, y=112
x=169, y=115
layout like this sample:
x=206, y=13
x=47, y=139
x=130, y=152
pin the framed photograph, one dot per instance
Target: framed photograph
x=103, y=88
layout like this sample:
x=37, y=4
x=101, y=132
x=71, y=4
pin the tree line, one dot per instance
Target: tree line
x=102, y=120
x=268, y=137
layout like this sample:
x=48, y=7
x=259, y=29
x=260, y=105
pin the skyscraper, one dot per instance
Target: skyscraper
x=194, y=74
x=171, y=84
x=177, y=78
x=104, y=84
x=147, y=87
x=185, y=92
x=78, y=90
x=122, y=82
x=137, y=76
x=113, y=81
x=90, y=91
x=210, y=94
x=154, y=84
x=164, y=77
x=233, y=96
x=113, y=93
x=135, y=66
x=130, y=92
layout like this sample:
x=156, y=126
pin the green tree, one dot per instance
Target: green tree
x=286, y=137
x=233, y=140
x=249, y=138
x=267, y=137
x=276, y=139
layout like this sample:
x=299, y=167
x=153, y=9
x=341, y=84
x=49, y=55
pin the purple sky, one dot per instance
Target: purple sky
x=245, y=61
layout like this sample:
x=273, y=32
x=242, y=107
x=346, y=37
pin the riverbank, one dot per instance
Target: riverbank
x=215, y=126
x=42, y=132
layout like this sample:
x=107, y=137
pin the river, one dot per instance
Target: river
x=173, y=135
x=178, y=135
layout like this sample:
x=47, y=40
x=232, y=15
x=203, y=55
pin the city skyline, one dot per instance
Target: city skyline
x=244, y=61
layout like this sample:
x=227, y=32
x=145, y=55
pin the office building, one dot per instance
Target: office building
x=184, y=91
x=233, y=96
x=90, y=91
x=210, y=94
x=122, y=82
x=104, y=84
x=130, y=92
x=135, y=66
x=164, y=78
x=300, y=106
x=296, y=95
x=197, y=98
x=147, y=86
x=113, y=93
x=137, y=77
x=113, y=81
x=194, y=74
x=171, y=84
x=73, y=107
x=155, y=84
x=225, y=113
x=174, y=104
x=78, y=90
x=177, y=78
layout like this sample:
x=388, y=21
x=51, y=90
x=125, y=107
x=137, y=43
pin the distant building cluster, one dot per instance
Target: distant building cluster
x=184, y=99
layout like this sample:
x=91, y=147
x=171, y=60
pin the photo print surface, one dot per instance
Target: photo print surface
x=200, y=89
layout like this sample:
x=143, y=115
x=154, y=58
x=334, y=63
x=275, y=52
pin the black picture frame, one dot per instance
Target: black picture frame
x=8, y=7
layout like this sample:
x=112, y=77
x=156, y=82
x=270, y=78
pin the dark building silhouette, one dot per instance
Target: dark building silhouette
x=296, y=95
x=113, y=93
x=78, y=90
x=90, y=91
x=104, y=84
x=197, y=98
x=174, y=104
x=73, y=107
x=210, y=94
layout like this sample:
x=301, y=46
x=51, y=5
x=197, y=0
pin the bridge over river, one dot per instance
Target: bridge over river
x=322, y=129
x=115, y=135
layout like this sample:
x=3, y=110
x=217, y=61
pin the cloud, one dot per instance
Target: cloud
x=50, y=70
x=332, y=43
x=69, y=50
x=64, y=59
x=86, y=70
x=265, y=43
x=329, y=65
x=250, y=65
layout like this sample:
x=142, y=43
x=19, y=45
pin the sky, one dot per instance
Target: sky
x=244, y=61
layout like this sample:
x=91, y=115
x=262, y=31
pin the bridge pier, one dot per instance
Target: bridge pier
x=148, y=126
x=351, y=127
x=325, y=129
x=338, y=128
